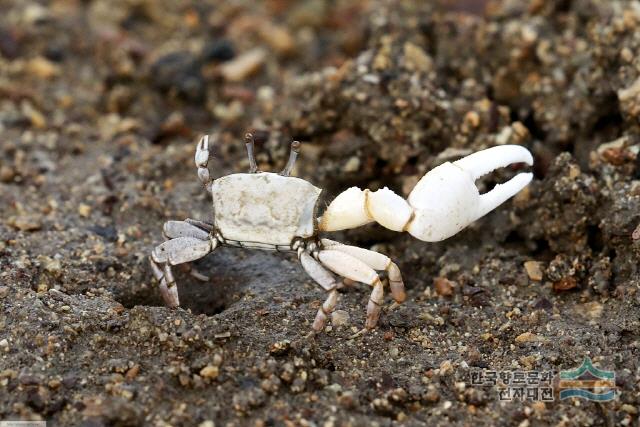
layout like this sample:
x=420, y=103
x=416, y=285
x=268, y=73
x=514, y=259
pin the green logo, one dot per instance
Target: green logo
x=588, y=382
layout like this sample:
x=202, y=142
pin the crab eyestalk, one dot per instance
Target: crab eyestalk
x=293, y=155
x=249, y=143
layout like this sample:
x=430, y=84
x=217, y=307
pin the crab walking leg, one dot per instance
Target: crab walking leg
x=326, y=280
x=175, y=229
x=377, y=261
x=202, y=159
x=352, y=268
x=176, y=251
x=166, y=283
x=444, y=201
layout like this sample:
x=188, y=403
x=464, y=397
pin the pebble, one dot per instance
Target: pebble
x=444, y=287
x=528, y=337
x=84, y=210
x=340, y=318
x=243, y=66
x=592, y=309
x=210, y=371
x=180, y=72
x=534, y=270
x=25, y=223
x=565, y=284
x=348, y=399
x=220, y=50
x=277, y=37
x=43, y=68
x=631, y=92
x=416, y=59
x=352, y=165
x=446, y=368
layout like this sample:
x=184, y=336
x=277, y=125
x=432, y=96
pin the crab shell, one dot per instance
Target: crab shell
x=264, y=210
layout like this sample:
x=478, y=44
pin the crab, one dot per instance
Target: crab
x=278, y=212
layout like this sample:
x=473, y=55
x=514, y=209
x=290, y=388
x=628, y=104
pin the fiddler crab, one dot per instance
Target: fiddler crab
x=278, y=212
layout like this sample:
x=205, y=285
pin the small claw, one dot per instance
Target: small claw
x=446, y=199
x=202, y=152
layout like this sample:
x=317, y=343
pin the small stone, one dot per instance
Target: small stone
x=538, y=406
x=4, y=344
x=565, y=284
x=54, y=384
x=630, y=92
x=444, y=287
x=6, y=174
x=352, y=165
x=271, y=385
x=207, y=423
x=280, y=347
x=84, y=210
x=416, y=59
x=25, y=223
x=219, y=50
x=432, y=395
x=132, y=373
x=4, y=291
x=340, y=318
x=43, y=68
x=277, y=37
x=348, y=400
x=179, y=72
x=629, y=409
x=534, y=270
x=472, y=119
x=592, y=309
x=446, y=368
x=527, y=337
x=243, y=66
x=210, y=371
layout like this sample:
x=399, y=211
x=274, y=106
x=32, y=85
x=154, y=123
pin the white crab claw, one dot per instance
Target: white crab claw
x=446, y=199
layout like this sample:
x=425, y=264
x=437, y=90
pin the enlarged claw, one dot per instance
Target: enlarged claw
x=443, y=202
x=446, y=199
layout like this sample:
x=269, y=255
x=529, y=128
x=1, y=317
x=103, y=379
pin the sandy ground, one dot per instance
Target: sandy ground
x=101, y=103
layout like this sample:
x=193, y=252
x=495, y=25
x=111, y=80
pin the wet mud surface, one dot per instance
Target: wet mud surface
x=101, y=103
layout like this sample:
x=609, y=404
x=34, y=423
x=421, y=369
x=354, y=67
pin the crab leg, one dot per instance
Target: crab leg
x=377, y=261
x=187, y=243
x=318, y=273
x=352, y=268
x=444, y=201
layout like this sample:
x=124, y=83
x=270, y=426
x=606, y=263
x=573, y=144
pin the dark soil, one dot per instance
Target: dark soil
x=102, y=102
